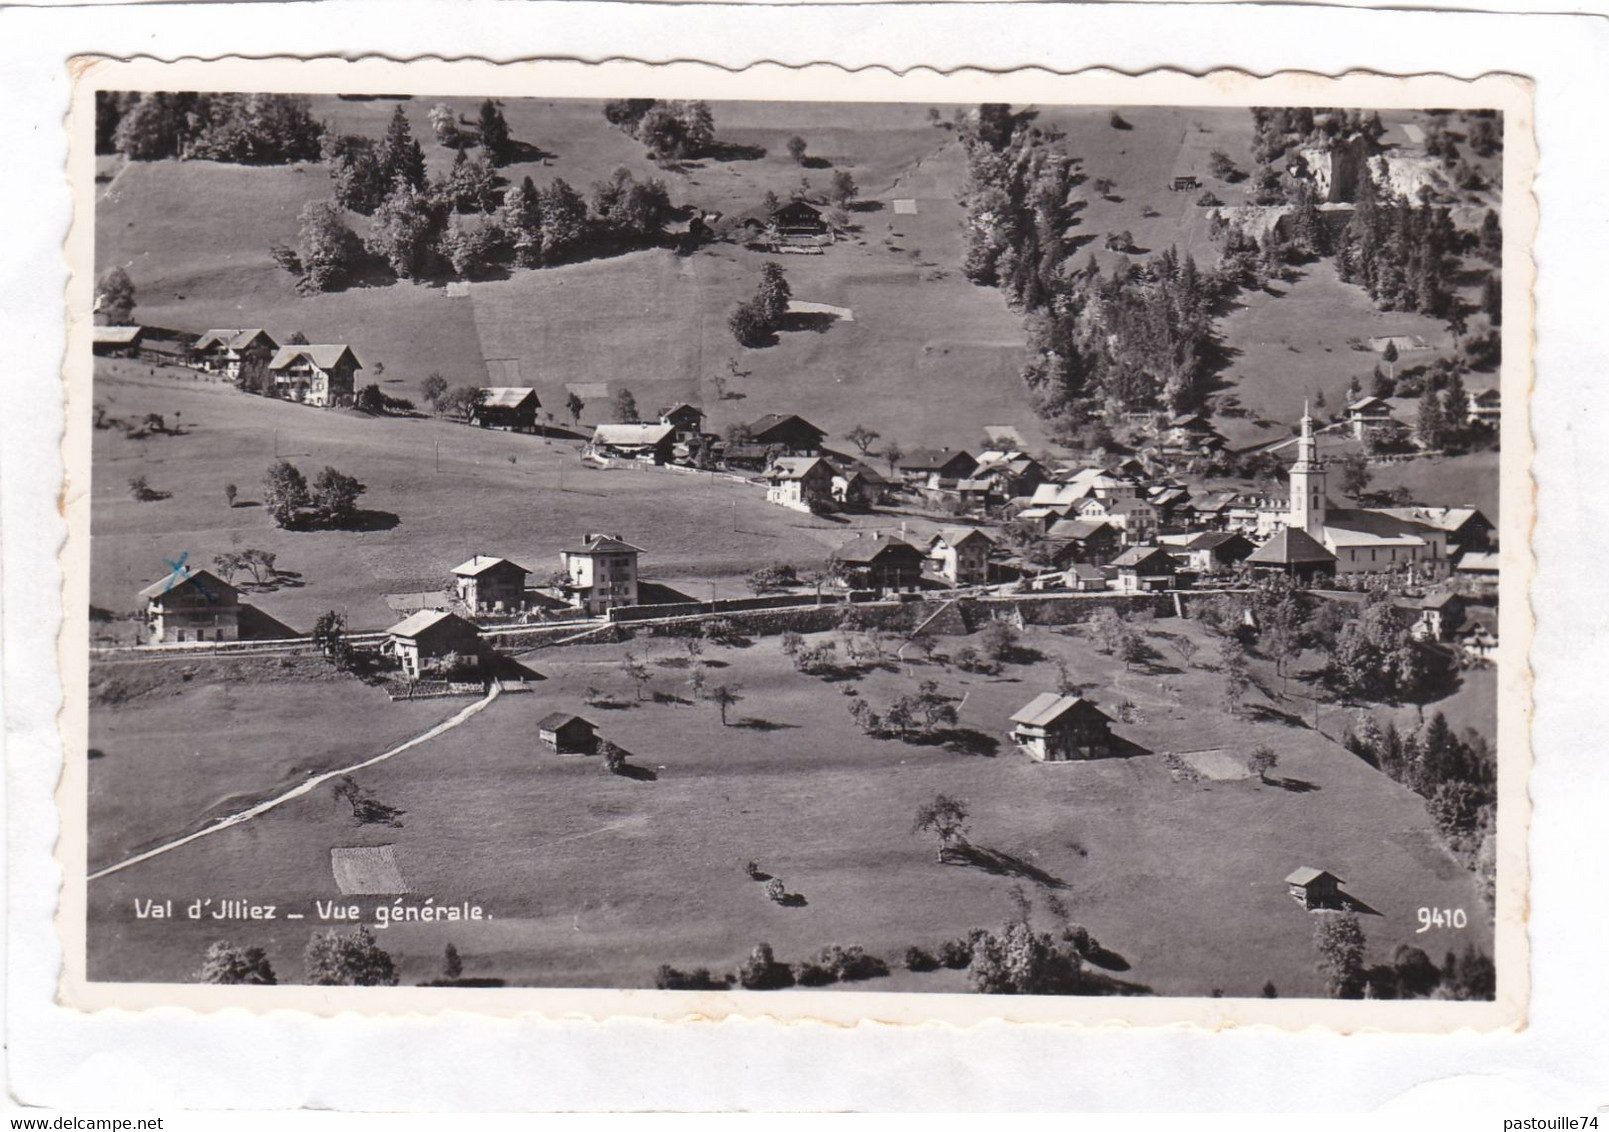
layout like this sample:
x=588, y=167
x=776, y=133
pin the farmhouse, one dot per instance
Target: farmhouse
x=1144, y=568
x=803, y=483
x=961, y=555
x=323, y=376
x=858, y=486
x=746, y=457
x=510, y=407
x=1315, y=888
x=652, y=443
x=687, y=420
x=486, y=583
x=567, y=734
x=1006, y=475
x=191, y=605
x=1214, y=551
x=117, y=341
x=882, y=563
x=429, y=637
x=798, y=219
x=603, y=573
x=222, y=351
x=1084, y=540
x=795, y=435
x=1189, y=437
x=1463, y=528
x=935, y=467
x=1054, y=728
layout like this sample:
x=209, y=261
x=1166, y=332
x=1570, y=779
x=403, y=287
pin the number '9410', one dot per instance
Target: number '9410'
x=1441, y=918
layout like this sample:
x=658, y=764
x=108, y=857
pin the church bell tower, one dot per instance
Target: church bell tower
x=1307, y=482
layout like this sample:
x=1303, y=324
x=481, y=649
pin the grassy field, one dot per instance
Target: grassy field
x=595, y=880
x=1448, y=480
x=932, y=370
x=499, y=493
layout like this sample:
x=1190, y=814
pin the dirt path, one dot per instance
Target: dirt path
x=306, y=787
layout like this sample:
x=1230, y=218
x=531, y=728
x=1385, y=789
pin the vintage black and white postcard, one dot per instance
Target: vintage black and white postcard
x=663, y=541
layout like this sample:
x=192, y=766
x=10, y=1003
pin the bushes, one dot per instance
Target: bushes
x=917, y=959
x=672, y=978
x=761, y=971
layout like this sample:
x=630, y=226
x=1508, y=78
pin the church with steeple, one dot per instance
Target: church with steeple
x=1361, y=540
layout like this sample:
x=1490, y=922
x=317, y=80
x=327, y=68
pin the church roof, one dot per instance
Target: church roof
x=1290, y=547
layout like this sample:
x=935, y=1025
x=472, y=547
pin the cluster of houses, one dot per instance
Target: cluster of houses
x=323, y=375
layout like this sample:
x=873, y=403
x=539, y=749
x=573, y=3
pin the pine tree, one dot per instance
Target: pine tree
x=399, y=154
x=773, y=294
x=494, y=137
x=1431, y=427
x=564, y=221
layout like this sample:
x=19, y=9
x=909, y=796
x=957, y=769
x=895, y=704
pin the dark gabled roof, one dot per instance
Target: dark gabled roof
x=233, y=339
x=427, y=619
x=933, y=459
x=1306, y=875
x=797, y=210
x=1136, y=556
x=955, y=536
x=323, y=356
x=772, y=421
x=865, y=550
x=1075, y=529
x=507, y=397
x=1213, y=540
x=483, y=562
x=554, y=720
x=204, y=580
x=1047, y=707
x=1290, y=547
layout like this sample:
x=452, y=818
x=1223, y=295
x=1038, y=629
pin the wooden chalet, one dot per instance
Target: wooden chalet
x=191, y=605
x=933, y=467
x=651, y=443
x=487, y=583
x=510, y=407
x=1367, y=415
x=797, y=219
x=1084, y=540
x=1053, y=728
x=803, y=483
x=793, y=434
x=960, y=555
x=687, y=420
x=223, y=351
x=324, y=376
x=429, y=637
x=857, y=486
x=881, y=562
x=1215, y=551
x=1143, y=569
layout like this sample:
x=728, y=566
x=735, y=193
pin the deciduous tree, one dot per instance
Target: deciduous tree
x=228, y=965
x=350, y=959
x=284, y=493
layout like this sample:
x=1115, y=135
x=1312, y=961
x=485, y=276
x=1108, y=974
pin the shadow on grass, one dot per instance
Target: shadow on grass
x=818, y=321
x=750, y=723
x=638, y=773
x=1267, y=713
x=1294, y=785
x=1000, y=863
x=968, y=741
